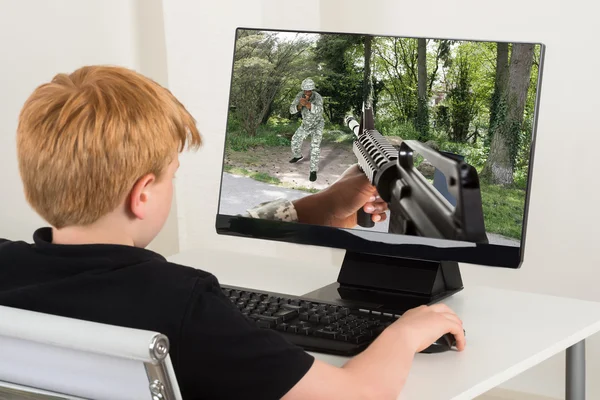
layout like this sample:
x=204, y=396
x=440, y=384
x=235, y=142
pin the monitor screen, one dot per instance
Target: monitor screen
x=443, y=128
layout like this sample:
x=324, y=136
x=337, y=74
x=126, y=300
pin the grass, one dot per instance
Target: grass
x=279, y=133
x=257, y=176
x=266, y=178
x=503, y=209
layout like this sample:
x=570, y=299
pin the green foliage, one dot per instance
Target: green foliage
x=503, y=210
x=341, y=79
x=461, y=100
x=396, y=62
x=263, y=64
x=474, y=154
x=405, y=130
x=274, y=133
x=441, y=119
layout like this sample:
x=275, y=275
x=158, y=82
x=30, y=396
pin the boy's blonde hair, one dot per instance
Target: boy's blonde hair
x=84, y=139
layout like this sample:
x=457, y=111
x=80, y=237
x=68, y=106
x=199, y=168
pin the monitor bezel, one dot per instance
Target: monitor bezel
x=492, y=255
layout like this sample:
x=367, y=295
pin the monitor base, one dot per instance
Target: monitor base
x=390, y=284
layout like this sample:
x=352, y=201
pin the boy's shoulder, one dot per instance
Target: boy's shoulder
x=130, y=265
x=164, y=271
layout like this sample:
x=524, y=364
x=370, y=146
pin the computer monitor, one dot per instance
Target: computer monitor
x=444, y=128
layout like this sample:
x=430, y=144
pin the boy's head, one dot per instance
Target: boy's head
x=102, y=143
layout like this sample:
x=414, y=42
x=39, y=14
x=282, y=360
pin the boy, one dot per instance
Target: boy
x=97, y=153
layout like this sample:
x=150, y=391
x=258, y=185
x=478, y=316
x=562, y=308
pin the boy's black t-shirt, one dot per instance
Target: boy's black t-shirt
x=216, y=352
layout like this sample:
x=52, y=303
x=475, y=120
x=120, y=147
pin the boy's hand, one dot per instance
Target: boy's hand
x=351, y=192
x=337, y=205
x=425, y=324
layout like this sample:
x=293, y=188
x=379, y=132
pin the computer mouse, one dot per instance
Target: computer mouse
x=441, y=345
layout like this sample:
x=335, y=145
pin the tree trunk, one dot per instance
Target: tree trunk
x=422, y=122
x=499, y=167
x=367, y=83
x=501, y=83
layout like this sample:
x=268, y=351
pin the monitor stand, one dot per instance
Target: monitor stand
x=390, y=284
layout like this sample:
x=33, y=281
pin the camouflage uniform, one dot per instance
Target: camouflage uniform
x=312, y=124
x=277, y=210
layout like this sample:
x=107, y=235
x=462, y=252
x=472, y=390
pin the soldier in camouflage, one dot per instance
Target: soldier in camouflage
x=310, y=104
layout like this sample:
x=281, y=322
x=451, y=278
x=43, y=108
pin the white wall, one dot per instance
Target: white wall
x=40, y=38
x=564, y=217
x=149, y=33
x=37, y=40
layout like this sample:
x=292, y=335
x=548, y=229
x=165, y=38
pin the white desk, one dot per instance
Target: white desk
x=508, y=332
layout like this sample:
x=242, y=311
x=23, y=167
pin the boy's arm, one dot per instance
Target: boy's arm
x=381, y=370
x=334, y=206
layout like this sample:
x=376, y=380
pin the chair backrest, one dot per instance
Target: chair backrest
x=47, y=355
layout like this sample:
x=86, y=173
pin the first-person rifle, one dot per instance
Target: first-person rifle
x=416, y=206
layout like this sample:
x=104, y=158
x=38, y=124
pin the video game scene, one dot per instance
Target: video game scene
x=442, y=128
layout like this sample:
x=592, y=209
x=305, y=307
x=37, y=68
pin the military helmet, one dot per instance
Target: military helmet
x=308, y=84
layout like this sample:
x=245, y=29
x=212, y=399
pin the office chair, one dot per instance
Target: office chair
x=45, y=356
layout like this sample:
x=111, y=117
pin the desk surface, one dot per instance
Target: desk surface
x=508, y=332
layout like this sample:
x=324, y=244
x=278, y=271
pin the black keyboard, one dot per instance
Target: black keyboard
x=314, y=326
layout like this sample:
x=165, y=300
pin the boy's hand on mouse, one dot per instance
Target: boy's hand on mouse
x=425, y=324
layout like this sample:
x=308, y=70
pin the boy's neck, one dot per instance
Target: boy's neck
x=97, y=233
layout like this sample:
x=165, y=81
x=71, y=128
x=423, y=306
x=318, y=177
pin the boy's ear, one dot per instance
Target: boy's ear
x=140, y=195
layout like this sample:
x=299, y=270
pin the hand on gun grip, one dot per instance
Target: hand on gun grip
x=354, y=197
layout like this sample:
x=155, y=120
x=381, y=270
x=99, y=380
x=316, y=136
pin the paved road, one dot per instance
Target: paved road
x=240, y=193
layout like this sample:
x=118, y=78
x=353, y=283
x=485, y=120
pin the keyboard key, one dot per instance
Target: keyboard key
x=326, y=334
x=265, y=324
x=282, y=327
x=307, y=330
x=286, y=314
x=293, y=307
x=360, y=339
x=336, y=316
x=366, y=333
x=304, y=316
x=269, y=318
